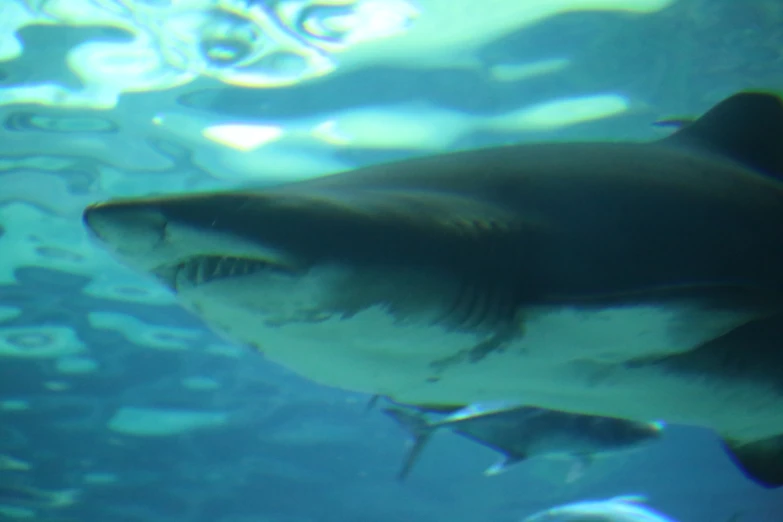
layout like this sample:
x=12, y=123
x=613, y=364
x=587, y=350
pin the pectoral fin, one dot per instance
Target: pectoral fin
x=503, y=464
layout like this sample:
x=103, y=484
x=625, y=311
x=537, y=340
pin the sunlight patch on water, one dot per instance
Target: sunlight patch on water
x=243, y=44
x=39, y=342
x=140, y=333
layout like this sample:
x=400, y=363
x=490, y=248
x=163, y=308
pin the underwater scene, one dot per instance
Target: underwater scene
x=391, y=260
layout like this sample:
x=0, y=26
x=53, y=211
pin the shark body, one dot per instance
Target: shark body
x=632, y=280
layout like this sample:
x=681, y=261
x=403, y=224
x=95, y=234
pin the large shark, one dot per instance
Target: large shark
x=631, y=280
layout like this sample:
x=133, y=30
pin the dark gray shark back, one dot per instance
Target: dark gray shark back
x=719, y=229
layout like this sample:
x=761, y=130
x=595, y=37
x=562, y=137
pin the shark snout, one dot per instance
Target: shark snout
x=125, y=228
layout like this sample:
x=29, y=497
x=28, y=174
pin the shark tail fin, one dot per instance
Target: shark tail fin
x=761, y=461
x=746, y=127
x=419, y=428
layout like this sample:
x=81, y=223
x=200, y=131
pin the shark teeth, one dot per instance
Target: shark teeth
x=204, y=269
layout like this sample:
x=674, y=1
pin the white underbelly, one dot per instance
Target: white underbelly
x=568, y=359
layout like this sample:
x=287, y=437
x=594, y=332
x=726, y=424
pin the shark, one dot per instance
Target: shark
x=626, y=279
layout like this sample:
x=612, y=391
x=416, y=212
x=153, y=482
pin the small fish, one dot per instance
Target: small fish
x=15, y=512
x=617, y=509
x=522, y=432
x=9, y=463
x=19, y=494
x=676, y=123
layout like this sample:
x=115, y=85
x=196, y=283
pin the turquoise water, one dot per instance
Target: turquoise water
x=116, y=405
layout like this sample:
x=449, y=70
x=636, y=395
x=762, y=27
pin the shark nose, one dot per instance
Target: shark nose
x=125, y=227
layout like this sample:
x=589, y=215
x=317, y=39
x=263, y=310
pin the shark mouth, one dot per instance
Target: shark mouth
x=200, y=270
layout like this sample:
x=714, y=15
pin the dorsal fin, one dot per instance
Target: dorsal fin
x=746, y=127
x=760, y=460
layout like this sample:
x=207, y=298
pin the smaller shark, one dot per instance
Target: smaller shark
x=522, y=432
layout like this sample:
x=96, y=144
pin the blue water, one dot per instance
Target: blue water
x=116, y=405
